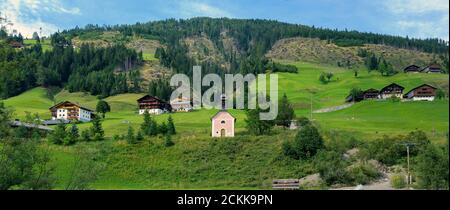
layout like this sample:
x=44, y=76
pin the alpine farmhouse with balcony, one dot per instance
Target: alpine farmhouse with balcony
x=422, y=93
x=153, y=105
x=69, y=111
x=181, y=105
x=392, y=90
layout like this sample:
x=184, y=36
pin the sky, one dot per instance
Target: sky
x=413, y=18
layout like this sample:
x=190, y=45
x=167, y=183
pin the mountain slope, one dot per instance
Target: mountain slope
x=324, y=52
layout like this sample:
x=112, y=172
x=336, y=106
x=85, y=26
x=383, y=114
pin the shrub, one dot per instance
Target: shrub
x=306, y=144
x=387, y=150
x=86, y=135
x=332, y=168
x=303, y=121
x=432, y=167
x=398, y=181
x=363, y=173
x=278, y=67
x=58, y=135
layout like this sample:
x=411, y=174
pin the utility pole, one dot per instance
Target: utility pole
x=311, y=106
x=408, y=146
x=409, y=173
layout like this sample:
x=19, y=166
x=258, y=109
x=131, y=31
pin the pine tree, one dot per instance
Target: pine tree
x=130, y=136
x=103, y=107
x=139, y=137
x=85, y=135
x=149, y=127
x=163, y=128
x=168, y=141
x=285, y=112
x=97, y=130
x=170, y=126
x=74, y=133
x=58, y=135
x=255, y=125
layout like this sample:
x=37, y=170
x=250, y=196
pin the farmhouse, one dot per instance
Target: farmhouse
x=153, y=105
x=422, y=93
x=433, y=68
x=412, y=69
x=70, y=111
x=392, y=90
x=16, y=45
x=365, y=95
x=181, y=105
x=223, y=122
x=371, y=94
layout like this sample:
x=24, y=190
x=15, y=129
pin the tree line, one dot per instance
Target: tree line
x=253, y=39
x=100, y=71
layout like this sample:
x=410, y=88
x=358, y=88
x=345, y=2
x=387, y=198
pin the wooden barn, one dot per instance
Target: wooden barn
x=412, y=69
x=424, y=92
x=153, y=105
x=433, y=68
x=392, y=90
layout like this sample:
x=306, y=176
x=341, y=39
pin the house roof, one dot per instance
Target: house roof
x=371, y=90
x=66, y=102
x=432, y=66
x=16, y=44
x=56, y=122
x=392, y=85
x=223, y=111
x=149, y=96
x=411, y=66
x=28, y=125
x=420, y=87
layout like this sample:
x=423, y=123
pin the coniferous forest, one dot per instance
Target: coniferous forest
x=80, y=68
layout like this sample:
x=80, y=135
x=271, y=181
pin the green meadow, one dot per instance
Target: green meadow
x=45, y=43
x=244, y=162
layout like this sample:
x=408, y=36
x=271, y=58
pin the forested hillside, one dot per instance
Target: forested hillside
x=80, y=57
x=100, y=71
x=323, y=52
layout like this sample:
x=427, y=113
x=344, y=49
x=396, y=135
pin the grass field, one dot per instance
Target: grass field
x=46, y=45
x=245, y=162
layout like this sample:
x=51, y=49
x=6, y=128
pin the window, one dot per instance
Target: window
x=223, y=122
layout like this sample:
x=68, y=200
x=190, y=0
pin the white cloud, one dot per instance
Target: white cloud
x=26, y=15
x=416, y=6
x=420, y=18
x=426, y=29
x=189, y=9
